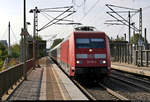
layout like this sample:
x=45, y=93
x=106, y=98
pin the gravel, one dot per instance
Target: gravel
x=130, y=92
x=97, y=91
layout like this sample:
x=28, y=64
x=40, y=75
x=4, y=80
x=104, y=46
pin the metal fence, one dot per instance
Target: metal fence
x=142, y=58
x=130, y=53
x=10, y=76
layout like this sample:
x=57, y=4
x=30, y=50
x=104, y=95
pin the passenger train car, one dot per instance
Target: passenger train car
x=84, y=53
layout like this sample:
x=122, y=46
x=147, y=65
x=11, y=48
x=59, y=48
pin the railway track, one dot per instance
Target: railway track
x=113, y=93
x=84, y=90
x=118, y=94
x=131, y=76
x=104, y=92
x=129, y=85
x=105, y=89
x=140, y=83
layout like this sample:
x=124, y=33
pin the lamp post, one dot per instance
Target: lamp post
x=27, y=23
x=125, y=37
x=24, y=33
x=35, y=24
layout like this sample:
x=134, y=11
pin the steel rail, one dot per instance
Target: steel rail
x=84, y=90
x=113, y=93
x=147, y=82
x=131, y=83
x=90, y=97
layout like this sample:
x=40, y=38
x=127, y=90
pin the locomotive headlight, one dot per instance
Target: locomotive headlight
x=77, y=62
x=104, y=62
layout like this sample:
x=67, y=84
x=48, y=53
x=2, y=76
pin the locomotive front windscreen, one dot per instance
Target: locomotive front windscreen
x=90, y=43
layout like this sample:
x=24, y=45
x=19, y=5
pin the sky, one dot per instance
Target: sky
x=88, y=12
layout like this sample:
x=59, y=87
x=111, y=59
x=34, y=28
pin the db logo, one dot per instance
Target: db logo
x=91, y=56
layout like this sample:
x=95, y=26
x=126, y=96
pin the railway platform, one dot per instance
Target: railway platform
x=145, y=71
x=47, y=82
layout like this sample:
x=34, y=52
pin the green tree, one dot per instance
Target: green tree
x=39, y=38
x=1, y=63
x=119, y=38
x=56, y=42
x=136, y=37
x=3, y=54
x=15, y=51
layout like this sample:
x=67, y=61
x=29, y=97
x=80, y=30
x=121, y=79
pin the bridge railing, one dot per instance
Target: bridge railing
x=10, y=76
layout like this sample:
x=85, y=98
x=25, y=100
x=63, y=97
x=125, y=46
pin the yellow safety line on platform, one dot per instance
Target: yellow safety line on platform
x=58, y=85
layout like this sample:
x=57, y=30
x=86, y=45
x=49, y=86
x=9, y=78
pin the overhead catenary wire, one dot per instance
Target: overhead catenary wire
x=13, y=33
x=116, y=13
x=49, y=16
x=89, y=10
x=78, y=5
x=46, y=16
x=121, y=30
x=36, y=2
x=57, y=21
x=147, y=7
x=122, y=18
x=121, y=7
x=48, y=24
x=45, y=9
x=116, y=18
x=121, y=21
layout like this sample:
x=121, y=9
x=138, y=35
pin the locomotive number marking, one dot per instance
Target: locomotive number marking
x=91, y=62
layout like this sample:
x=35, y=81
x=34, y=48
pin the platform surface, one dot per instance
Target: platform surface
x=47, y=82
x=29, y=89
x=131, y=68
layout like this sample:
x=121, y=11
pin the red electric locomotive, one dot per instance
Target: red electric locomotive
x=84, y=53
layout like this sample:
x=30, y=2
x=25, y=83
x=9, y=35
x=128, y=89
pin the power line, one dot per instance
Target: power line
x=57, y=17
x=45, y=15
x=13, y=33
x=122, y=7
x=46, y=9
x=122, y=18
x=75, y=4
x=127, y=23
x=93, y=6
x=121, y=30
x=49, y=16
x=147, y=7
x=56, y=21
x=35, y=2
x=115, y=12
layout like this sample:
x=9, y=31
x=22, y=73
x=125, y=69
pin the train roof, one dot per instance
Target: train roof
x=94, y=32
x=81, y=31
x=89, y=29
x=85, y=28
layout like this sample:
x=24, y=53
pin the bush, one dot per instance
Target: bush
x=1, y=63
x=15, y=51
